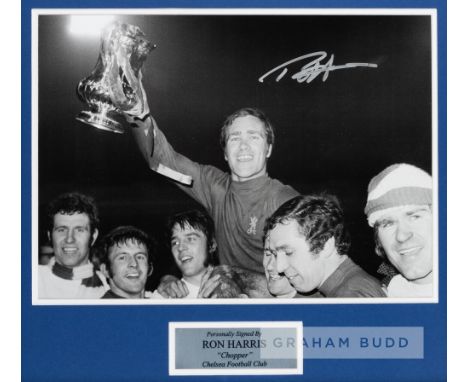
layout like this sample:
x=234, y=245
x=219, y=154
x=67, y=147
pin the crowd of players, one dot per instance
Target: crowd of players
x=253, y=236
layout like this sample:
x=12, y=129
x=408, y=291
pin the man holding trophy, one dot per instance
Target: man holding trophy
x=240, y=201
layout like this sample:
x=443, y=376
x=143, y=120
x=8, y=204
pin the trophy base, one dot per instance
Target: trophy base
x=100, y=121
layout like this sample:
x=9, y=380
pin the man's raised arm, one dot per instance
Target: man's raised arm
x=154, y=146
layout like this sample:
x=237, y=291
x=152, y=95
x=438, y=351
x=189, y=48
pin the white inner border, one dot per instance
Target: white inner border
x=236, y=325
x=35, y=13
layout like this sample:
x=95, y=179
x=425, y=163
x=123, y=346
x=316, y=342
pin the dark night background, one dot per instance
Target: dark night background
x=331, y=136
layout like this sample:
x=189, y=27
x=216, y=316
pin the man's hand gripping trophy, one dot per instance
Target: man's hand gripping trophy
x=115, y=88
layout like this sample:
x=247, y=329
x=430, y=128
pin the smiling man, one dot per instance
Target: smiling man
x=239, y=201
x=126, y=255
x=73, y=221
x=193, y=247
x=194, y=250
x=399, y=208
x=306, y=246
x=278, y=285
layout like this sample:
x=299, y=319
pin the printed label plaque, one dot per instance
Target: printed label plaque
x=235, y=348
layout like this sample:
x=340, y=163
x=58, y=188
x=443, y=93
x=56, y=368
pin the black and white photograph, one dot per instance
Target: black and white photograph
x=234, y=157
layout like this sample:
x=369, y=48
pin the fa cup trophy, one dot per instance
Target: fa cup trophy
x=114, y=85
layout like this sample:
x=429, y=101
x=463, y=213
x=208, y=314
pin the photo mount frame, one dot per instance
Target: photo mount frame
x=436, y=305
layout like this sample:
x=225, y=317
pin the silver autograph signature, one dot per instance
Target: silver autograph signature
x=314, y=68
